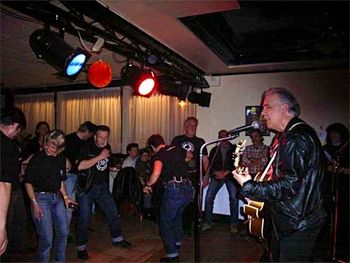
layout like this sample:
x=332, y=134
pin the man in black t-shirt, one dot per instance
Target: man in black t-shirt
x=169, y=164
x=73, y=142
x=94, y=156
x=192, y=144
x=11, y=123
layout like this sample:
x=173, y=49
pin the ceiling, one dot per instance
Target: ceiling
x=195, y=38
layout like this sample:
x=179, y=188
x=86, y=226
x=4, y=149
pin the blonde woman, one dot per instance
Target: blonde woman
x=44, y=179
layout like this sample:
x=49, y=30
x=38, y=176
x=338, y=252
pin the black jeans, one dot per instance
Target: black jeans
x=295, y=247
x=16, y=220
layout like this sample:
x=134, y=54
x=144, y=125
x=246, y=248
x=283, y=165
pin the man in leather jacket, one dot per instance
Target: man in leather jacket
x=293, y=192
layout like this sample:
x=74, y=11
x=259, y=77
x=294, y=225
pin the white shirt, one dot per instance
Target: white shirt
x=129, y=162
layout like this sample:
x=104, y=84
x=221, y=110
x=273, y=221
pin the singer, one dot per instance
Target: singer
x=296, y=174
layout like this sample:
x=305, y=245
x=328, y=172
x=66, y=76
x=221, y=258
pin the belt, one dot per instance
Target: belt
x=45, y=193
x=179, y=180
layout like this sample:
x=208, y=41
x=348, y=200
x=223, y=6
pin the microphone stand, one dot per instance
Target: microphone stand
x=197, y=256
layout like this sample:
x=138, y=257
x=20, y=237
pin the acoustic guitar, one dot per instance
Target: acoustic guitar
x=255, y=213
x=255, y=209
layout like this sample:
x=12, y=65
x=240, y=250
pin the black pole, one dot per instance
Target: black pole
x=197, y=223
x=199, y=197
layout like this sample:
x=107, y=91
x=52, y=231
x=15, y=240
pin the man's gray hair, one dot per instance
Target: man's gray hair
x=286, y=97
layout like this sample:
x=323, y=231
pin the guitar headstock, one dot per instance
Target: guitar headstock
x=240, y=146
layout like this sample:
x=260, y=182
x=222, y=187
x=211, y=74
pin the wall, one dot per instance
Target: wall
x=323, y=96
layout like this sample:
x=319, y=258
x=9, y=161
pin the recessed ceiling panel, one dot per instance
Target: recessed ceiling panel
x=275, y=31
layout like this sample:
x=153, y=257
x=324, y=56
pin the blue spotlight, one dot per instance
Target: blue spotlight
x=55, y=51
x=75, y=64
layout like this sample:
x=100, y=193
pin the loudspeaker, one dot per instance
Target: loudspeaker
x=202, y=99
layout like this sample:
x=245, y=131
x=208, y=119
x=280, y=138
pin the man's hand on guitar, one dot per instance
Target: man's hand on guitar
x=242, y=177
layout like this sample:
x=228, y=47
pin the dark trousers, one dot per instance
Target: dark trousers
x=188, y=216
x=15, y=227
x=191, y=214
x=101, y=195
x=295, y=247
x=343, y=208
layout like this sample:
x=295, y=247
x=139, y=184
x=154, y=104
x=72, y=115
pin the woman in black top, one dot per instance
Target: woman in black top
x=44, y=184
x=169, y=163
x=42, y=128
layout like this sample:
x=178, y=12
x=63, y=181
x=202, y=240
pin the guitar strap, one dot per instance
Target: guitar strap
x=269, y=165
x=268, y=169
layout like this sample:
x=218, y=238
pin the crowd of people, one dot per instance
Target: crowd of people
x=53, y=174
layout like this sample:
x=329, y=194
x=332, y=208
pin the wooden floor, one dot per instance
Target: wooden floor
x=217, y=245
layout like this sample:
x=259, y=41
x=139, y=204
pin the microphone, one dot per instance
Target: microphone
x=254, y=125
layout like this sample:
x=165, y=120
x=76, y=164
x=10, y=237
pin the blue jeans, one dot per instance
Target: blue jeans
x=214, y=187
x=54, y=214
x=101, y=195
x=70, y=184
x=175, y=199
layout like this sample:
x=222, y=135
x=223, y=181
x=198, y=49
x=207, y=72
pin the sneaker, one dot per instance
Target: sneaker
x=205, y=227
x=82, y=254
x=234, y=229
x=172, y=259
x=122, y=244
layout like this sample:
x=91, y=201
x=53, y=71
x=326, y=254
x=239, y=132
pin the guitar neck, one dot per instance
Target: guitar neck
x=240, y=146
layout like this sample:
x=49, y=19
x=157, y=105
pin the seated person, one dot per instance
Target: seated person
x=255, y=156
x=132, y=150
x=144, y=170
x=221, y=165
x=143, y=165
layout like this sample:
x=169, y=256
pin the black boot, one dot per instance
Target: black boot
x=82, y=254
x=172, y=259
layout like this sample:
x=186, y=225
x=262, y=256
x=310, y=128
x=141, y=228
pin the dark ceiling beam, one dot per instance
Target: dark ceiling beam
x=54, y=16
x=46, y=13
x=57, y=88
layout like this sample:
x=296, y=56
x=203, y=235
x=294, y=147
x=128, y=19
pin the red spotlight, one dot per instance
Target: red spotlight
x=100, y=74
x=146, y=83
x=143, y=81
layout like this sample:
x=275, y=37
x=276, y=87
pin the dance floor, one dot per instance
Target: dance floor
x=217, y=245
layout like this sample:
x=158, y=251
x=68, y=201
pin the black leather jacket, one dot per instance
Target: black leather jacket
x=294, y=193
